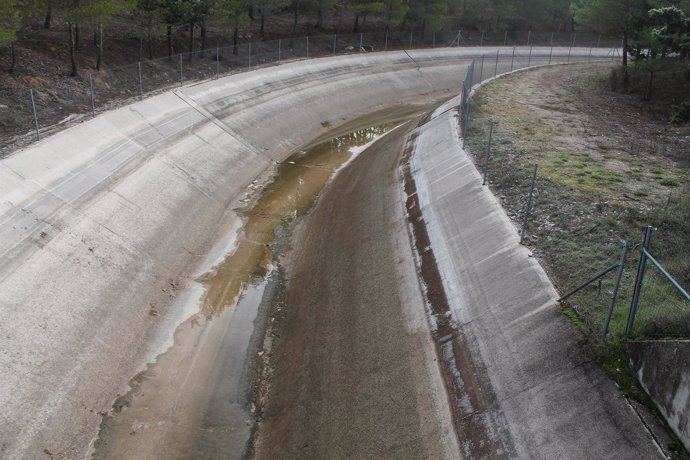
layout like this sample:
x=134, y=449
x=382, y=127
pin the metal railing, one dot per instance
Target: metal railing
x=645, y=256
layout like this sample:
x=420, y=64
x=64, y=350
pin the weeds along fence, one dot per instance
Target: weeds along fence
x=617, y=289
x=43, y=109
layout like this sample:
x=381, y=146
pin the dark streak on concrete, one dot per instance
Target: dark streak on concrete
x=469, y=398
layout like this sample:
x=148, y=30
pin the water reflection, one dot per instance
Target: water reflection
x=293, y=191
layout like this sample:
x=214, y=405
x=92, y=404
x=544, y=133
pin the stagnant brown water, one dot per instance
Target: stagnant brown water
x=296, y=185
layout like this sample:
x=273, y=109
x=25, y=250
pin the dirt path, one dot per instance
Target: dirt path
x=351, y=373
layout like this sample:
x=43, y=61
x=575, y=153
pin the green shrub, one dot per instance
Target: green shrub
x=681, y=113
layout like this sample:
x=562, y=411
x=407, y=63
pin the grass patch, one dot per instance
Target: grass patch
x=669, y=182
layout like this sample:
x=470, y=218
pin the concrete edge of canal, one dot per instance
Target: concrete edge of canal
x=107, y=226
x=529, y=391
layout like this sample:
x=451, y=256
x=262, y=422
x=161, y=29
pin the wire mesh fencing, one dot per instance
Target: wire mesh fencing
x=95, y=91
x=598, y=276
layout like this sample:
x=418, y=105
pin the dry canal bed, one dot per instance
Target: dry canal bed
x=201, y=398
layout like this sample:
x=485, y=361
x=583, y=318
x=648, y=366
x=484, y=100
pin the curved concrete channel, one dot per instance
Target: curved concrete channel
x=107, y=229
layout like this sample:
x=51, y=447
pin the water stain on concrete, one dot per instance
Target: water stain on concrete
x=293, y=191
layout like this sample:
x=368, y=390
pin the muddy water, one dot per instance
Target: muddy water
x=193, y=402
x=297, y=183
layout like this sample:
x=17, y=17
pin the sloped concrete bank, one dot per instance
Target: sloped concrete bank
x=114, y=218
x=106, y=227
x=527, y=389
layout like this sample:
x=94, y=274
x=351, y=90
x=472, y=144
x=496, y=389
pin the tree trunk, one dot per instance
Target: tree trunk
x=355, y=26
x=149, y=36
x=403, y=24
x=76, y=36
x=72, y=49
x=341, y=14
x=263, y=20
x=13, y=58
x=191, y=40
x=295, y=17
x=319, y=16
x=650, y=86
x=626, y=77
x=625, y=48
x=235, y=38
x=170, y=44
x=49, y=15
x=203, y=40
x=99, y=49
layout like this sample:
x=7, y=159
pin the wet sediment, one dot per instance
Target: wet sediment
x=470, y=398
x=196, y=400
x=347, y=375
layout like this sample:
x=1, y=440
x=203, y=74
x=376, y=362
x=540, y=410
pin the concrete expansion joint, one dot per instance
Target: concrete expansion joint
x=650, y=430
x=210, y=117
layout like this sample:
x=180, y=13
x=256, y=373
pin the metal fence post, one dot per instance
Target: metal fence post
x=307, y=47
x=550, y=54
x=529, y=59
x=250, y=55
x=638, y=281
x=512, y=60
x=361, y=36
x=551, y=41
x=481, y=70
x=529, y=204
x=335, y=39
x=410, y=40
x=33, y=107
x=488, y=151
x=93, y=104
x=279, y=45
x=217, y=62
x=529, y=35
x=614, y=294
x=385, y=46
x=505, y=38
x=481, y=40
x=433, y=39
x=181, y=76
x=496, y=66
x=141, y=82
x=569, y=50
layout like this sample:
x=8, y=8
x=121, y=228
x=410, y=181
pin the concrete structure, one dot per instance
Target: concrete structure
x=663, y=369
x=106, y=219
x=103, y=221
x=538, y=395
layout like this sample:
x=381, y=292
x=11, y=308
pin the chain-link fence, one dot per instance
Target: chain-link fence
x=598, y=276
x=93, y=92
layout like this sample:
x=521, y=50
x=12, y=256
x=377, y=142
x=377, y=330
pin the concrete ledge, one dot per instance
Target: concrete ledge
x=546, y=399
x=663, y=370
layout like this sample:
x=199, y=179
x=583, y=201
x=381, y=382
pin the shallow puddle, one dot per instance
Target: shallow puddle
x=293, y=191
